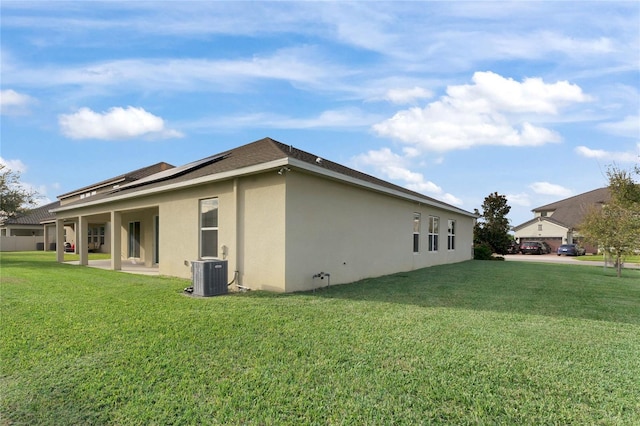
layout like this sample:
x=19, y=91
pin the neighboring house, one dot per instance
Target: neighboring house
x=557, y=223
x=278, y=215
x=27, y=231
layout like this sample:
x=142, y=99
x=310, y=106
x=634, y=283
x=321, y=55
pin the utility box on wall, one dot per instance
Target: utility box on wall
x=209, y=277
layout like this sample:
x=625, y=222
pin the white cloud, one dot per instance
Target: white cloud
x=541, y=44
x=546, y=188
x=396, y=168
x=303, y=67
x=12, y=98
x=599, y=154
x=379, y=158
x=507, y=95
x=338, y=118
x=12, y=102
x=14, y=165
x=117, y=123
x=40, y=191
x=41, y=198
x=407, y=96
x=346, y=118
x=488, y=112
x=521, y=199
x=629, y=127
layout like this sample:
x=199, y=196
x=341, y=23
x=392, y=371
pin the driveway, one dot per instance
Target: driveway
x=554, y=258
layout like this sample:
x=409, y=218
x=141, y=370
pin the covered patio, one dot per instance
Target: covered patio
x=129, y=266
x=130, y=236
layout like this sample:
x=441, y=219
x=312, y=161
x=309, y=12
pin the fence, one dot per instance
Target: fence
x=27, y=243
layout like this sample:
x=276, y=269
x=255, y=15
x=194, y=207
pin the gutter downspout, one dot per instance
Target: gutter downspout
x=236, y=196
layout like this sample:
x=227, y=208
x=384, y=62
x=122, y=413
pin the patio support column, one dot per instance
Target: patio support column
x=116, y=240
x=236, y=234
x=81, y=241
x=59, y=240
x=45, y=229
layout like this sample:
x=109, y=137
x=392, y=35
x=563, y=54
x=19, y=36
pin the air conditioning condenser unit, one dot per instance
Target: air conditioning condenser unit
x=209, y=277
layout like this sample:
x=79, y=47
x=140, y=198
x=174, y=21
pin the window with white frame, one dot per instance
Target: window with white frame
x=416, y=232
x=209, y=228
x=451, y=235
x=91, y=234
x=433, y=233
x=96, y=235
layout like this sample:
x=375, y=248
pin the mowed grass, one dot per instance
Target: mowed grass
x=628, y=260
x=471, y=343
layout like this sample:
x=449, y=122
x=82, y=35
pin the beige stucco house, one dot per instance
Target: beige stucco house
x=557, y=223
x=277, y=214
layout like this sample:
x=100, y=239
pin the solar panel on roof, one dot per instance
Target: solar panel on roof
x=176, y=171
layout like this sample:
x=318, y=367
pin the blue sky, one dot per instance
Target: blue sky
x=456, y=100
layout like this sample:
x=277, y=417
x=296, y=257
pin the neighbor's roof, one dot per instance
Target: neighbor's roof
x=570, y=211
x=34, y=216
x=537, y=219
x=256, y=156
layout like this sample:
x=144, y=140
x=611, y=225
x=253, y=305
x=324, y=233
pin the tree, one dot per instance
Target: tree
x=15, y=199
x=492, y=227
x=615, y=227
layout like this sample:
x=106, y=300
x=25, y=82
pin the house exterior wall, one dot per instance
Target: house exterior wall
x=549, y=230
x=278, y=231
x=262, y=229
x=250, y=229
x=251, y=234
x=179, y=226
x=352, y=233
x=146, y=219
x=542, y=230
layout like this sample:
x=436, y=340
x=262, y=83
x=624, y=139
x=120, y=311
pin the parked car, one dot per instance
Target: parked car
x=571, y=250
x=514, y=248
x=546, y=247
x=532, y=247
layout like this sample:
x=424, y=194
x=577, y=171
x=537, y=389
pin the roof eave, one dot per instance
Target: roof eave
x=285, y=161
x=180, y=185
x=540, y=219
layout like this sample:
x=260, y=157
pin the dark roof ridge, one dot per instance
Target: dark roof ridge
x=132, y=175
x=33, y=216
x=550, y=206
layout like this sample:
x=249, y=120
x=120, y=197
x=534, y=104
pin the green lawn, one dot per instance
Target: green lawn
x=68, y=257
x=629, y=260
x=472, y=343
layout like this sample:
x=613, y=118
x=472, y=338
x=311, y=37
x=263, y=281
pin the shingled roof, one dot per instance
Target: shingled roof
x=34, y=216
x=259, y=153
x=570, y=211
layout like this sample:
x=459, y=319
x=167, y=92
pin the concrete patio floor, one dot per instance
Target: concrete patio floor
x=128, y=266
